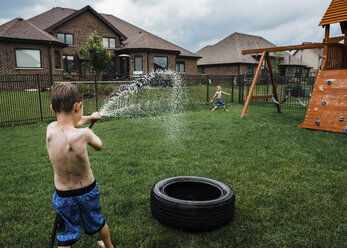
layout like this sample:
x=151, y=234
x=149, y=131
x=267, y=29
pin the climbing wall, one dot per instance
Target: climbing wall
x=328, y=105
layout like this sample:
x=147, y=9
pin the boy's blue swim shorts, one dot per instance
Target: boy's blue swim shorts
x=76, y=207
x=220, y=103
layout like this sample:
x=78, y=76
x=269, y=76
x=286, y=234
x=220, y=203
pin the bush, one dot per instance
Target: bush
x=295, y=90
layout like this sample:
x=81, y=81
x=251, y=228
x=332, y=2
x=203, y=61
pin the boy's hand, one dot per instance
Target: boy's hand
x=211, y=101
x=95, y=116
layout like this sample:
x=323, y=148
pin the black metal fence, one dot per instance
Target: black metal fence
x=293, y=91
x=26, y=98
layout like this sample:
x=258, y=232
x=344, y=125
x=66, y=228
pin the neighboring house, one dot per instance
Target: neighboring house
x=226, y=58
x=311, y=57
x=49, y=43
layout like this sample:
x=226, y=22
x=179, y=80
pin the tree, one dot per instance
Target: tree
x=97, y=57
x=278, y=58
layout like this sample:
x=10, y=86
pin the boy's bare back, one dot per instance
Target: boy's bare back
x=67, y=148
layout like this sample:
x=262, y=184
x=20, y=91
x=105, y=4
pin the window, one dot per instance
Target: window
x=298, y=72
x=202, y=70
x=69, y=63
x=282, y=71
x=160, y=63
x=57, y=60
x=250, y=70
x=67, y=38
x=109, y=42
x=138, y=63
x=180, y=66
x=28, y=58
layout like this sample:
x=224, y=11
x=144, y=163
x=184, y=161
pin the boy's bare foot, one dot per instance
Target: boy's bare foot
x=102, y=245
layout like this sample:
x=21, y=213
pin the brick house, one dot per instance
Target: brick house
x=49, y=43
x=225, y=57
x=311, y=57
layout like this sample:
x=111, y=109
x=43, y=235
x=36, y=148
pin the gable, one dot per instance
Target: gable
x=63, y=16
x=83, y=25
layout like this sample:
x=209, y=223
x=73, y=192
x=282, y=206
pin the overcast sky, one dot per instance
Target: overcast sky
x=193, y=24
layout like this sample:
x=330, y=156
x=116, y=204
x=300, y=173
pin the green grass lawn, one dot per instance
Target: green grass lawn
x=290, y=183
x=19, y=106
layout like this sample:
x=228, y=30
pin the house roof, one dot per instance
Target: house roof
x=229, y=51
x=20, y=29
x=51, y=17
x=141, y=39
x=318, y=51
x=137, y=38
x=335, y=13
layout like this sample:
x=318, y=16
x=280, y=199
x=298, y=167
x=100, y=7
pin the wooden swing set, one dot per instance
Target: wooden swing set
x=327, y=109
x=266, y=58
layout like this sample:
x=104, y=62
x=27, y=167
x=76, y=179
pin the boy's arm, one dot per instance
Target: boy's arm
x=226, y=93
x=213, y=97
x=93, y=140
x=86, y=119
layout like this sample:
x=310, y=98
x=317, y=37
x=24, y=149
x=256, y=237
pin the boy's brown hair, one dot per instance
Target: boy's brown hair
x=64, y=96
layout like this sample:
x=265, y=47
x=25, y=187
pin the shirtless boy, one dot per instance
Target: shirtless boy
x=218, y=94
x=76, y=199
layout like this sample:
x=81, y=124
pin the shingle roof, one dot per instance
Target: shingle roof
x=141, y=39
x=51, y=17
x=229, y=51
x=21, y=29
x=336, y=12
x=137, y=38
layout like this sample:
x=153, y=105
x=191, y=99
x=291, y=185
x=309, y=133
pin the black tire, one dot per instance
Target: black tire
x=193, y=204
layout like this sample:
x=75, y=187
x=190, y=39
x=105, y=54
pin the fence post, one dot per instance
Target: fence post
x=39, y=90
x=207, y=90
x=232, y=89
x=241, y=88
x=239, y=83
x=96, y=93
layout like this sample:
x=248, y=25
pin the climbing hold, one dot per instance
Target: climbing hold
x=321, y=88
x=341, y=118
x=345, y=130
x=317, y=123
x=316, y=109
x=324, y=102
x=329, y=82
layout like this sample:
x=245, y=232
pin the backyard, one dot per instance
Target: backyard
x=289, y=183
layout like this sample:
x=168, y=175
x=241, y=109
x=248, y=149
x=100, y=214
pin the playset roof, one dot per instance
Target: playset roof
x=336, y=12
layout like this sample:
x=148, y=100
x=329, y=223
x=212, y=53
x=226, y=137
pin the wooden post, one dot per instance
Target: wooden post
x=274, y=87
x=255, y=79
x=326, y=47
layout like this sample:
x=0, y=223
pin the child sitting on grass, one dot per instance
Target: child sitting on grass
x=218, y=94
x=76, y=199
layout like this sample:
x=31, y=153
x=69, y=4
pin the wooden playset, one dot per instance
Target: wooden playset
x=327, y=109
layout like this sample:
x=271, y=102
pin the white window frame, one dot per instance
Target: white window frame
x=27, y=67
x=109, y=42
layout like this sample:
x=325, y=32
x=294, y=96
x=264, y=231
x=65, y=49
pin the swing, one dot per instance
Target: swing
x=274, y=100
x=301, y=103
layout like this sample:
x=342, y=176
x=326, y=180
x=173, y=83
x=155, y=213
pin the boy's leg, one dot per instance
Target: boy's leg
x=225, y=108
x=106, y=238
x=214, y=108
